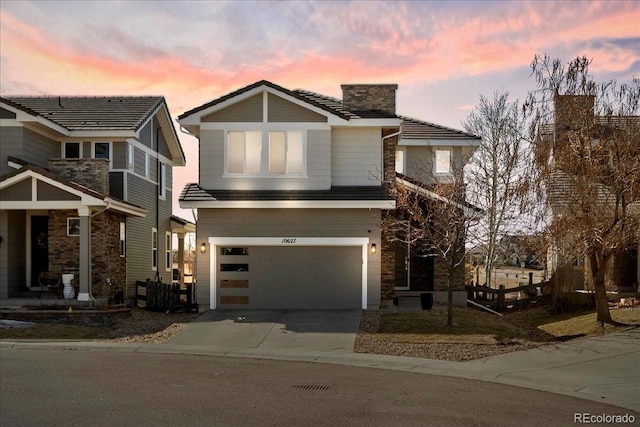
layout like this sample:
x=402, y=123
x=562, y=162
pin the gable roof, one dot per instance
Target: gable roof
x=86, y=193
x=411, y=128
x=326, y=103
x=101, y=114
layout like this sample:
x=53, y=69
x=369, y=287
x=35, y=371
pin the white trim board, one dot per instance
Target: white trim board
x=214, y=242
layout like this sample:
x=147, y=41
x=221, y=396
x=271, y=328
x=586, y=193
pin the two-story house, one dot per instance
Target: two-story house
x=85, y=189
x=592, y=184
x=291, y=192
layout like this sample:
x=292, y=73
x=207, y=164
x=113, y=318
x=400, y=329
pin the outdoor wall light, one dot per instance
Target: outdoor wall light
x=203, y=247
x=373, y=249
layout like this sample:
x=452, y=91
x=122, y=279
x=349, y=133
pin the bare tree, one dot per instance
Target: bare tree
x=587, y=168
x=434, y=220
x=495, y=171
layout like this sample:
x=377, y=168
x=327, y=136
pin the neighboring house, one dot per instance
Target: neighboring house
x=85, y=188
x=574, y=114
x=291, y=192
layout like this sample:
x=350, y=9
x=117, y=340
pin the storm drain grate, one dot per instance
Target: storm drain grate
x=311, y=387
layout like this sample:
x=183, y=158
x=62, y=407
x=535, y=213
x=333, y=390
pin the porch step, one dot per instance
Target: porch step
x=409, y=302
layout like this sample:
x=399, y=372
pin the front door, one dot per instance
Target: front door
x=39, y=247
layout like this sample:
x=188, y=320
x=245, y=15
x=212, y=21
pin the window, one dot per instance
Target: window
x=73, y=226
x=442, y=163
x=162, y=181
x=285, y=153
x=72, y=150
x=244, y=152
x=123, y=239
x=147, y=170
x=168, y=252
x=101, y=150
x=130, y=157
x=154, y=249
x=400, y=161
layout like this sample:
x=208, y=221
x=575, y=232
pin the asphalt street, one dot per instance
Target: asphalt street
x=52, y=387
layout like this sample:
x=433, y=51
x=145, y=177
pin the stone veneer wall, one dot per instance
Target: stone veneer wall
x=363, y=97
x=64, y=251
x=92, y=173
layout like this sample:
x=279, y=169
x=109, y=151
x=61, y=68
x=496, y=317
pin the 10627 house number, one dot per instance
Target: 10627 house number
x=288, y=241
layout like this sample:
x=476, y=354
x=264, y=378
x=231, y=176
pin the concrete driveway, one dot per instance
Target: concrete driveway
x=332, y=331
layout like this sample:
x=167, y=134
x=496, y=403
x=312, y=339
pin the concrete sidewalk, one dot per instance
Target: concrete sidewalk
x=604, y=369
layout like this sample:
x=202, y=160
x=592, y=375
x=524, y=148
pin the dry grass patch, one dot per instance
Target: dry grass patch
x=469, y=326
x=587, y=325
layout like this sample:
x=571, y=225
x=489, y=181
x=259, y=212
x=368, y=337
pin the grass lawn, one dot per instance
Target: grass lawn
x=55, y=331
x=474, y=327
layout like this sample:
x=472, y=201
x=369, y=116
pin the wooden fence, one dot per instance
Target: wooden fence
x=165, y=297
x=502, y=296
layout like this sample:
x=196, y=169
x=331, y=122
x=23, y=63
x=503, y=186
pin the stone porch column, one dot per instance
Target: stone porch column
x=84, y=294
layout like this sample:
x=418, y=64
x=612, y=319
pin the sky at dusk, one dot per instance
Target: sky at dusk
x=443, y=55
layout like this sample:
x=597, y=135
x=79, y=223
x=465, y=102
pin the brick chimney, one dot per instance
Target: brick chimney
x=362, y=97
x=92, y=173
x=573, y=112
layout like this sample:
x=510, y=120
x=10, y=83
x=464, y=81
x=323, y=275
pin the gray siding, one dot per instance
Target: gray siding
x=26, y=145
x=318, y=165
x=12, y=252
x=146, y=134
x=280, y=110
x=10, y=145
x=249, y=110
x=139, y=161
x=356, y=156
x=119, y=155
x=289, y=223
x=86, y=149
x=419, y=161
x=47, y=192
x=20, y=191
x=143, y=193
x=4, y=255
x=163, y=148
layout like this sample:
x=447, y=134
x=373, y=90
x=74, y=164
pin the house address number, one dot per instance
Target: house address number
x=288, y=241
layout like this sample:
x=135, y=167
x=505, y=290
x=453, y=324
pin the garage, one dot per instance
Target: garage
x=305, y=273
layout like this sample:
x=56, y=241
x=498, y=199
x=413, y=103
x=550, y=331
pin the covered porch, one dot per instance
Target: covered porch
x=49, y=224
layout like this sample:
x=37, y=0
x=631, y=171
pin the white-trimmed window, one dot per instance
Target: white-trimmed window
x=147, y=169
x=442, y=162
x=73, y=226
x=131, y=152
x=162, y=180
x=102, y=150
x=154, y=249
x=123, y=239
x=244, y=152
x=400, y=161
x=72, y=150
x=286, y=153
x=168, y=252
